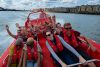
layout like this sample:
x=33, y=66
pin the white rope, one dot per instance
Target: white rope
x=94, y=60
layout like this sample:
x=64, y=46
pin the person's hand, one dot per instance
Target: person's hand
x=83, y=40
x=91, y=46
x=25, y=47
x=7, y=27
x=64, y=65
x=82, y=60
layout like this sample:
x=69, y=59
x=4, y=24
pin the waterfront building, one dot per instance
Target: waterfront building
x=89, y=9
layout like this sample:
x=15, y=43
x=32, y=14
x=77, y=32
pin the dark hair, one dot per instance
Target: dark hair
x=19, y=30
x=57, y=24
x=46, y=23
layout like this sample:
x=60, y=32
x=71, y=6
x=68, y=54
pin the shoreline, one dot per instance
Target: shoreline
x=14, y=10
x=83, y=9
x=73, y=13
x=50, y=12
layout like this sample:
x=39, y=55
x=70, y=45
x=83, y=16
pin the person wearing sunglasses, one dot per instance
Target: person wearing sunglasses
x=47, y=60
x=71, y=37
x=62, y=49
x=53, y=50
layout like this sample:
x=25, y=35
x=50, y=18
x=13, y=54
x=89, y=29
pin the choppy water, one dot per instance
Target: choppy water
x=88, y=25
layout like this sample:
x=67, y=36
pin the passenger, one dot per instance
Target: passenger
x=29, y=33
x=74, y=40
x=47, y=60
x=15, y=53
x=31, y=54
x=20, y=34
x=60, y=49
x=59, y=29
x=54, y=19
x=70, y=36
x=91, y=49
x=36, y=31
x=58, y=25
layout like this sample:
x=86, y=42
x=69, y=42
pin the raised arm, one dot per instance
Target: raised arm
x=7, y=28
x=54, y=55
x=66, y=45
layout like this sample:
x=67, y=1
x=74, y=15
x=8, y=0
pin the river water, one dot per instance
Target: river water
x=88, y=25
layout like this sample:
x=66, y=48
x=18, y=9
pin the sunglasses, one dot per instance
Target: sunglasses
x=48, y=35
x=68, y=28
x=18, y=30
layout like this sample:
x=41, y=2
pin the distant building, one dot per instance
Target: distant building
x=61, y=9
x=96, y=9
x=77, y=9
x=89, y=9
x=82, y=8
x=67, y=10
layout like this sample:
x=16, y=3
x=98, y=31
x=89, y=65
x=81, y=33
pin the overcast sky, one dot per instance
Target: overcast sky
x=29, y=4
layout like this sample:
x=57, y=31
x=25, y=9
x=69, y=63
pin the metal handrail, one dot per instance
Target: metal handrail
x=38, y=10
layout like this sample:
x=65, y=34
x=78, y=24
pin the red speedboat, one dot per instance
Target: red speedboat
x=38, y=21
x=46, y=18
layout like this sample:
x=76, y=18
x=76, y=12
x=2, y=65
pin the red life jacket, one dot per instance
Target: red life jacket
x=58, y=46
x=17, y=54
x=54, y=47
x=42, y=43
x=73, y=40
x=30, y=34
x=83, y=46
x=47, y=60
x=32, y=53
